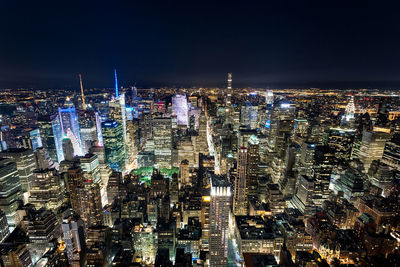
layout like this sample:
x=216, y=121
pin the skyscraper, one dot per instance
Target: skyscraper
x=72, y=241
x=89, y=200
x=253, y=158
x=70, y=127
x=47, y=136
x=26, y=163
x=114, y=145
x=240, y=200
x=180, y=109
x=219, y=220
x=372, y=147
x=162, y=136
x=46, y=190
x=10, y=189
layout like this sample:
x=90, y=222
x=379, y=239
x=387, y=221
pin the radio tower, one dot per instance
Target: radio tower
x=83, y=96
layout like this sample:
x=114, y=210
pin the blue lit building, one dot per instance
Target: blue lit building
x=58, y=136
x=70, y=128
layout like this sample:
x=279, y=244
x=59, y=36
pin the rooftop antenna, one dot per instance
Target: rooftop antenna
x=116, y=83
x=83, y=96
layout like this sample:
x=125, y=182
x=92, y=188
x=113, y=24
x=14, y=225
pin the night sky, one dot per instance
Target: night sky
x=45, y=44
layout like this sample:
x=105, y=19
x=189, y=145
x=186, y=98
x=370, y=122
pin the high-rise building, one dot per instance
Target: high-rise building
x=180, y=109
x=89, y=200
x=253, y=159
x=58, y=136
x=26, y=163
x=240, y=199
x=391, y=152
x=118, y=114
x=47, y=136
x=70, y=229
x=184, y=174
x=46, y=191
x=70, y=127
x=372, y=146
x=114, y=145
x=4, y=229
x=10, y=189
x=219, y=220
x=249, y=115
x=43, y=228
x=90, y=129
x=341, y=140
x=162, y=135
x=68, y=149
x=303, y=200
x=75, y=180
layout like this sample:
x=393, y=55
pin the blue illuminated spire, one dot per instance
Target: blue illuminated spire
x=116, y=83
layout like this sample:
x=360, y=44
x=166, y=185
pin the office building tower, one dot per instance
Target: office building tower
x=47, y=136
x=75, y=180
x=184, y=174
x=307, y=159
x=391, y=152
x=303, y=200
x=372, y=147
x=36, y=140
x=219, y=220
x=341, y=140
x=89, y=128
x=43, y=228
x=113, y=186
x=10, y=189
x=4, y=229
x=253, y=159
x=240, y=199
x=90, y=208
x=58, y=136
x=350, y=182
x=68, y=149
x=46, y=191
x=180, y=110
x=70, y=230
x=162, y=135
x=70, y=127
x=249, y=115
x=202, y=143
x=118, y=113
x=43, y=161
x=114, y=145
x=26, y=163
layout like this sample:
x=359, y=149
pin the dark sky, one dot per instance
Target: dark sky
x=44, y=44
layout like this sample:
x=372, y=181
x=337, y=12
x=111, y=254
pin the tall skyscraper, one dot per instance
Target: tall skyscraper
x=162, y=135
x=47, y=136
x=114, y=145
x=46, y=190
x=180, y=109
x=10, y=189
x=72, y=241
x=70, y=127
x=240, y=200
x=219, y=220
x=372, y=147
x=89, y=200
x=253, y=159
x=26, y=163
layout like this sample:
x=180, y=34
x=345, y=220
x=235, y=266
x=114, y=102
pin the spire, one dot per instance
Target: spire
x=83, y=96
x=116, y=83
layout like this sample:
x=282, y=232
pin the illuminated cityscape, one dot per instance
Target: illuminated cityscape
x=139, y=161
